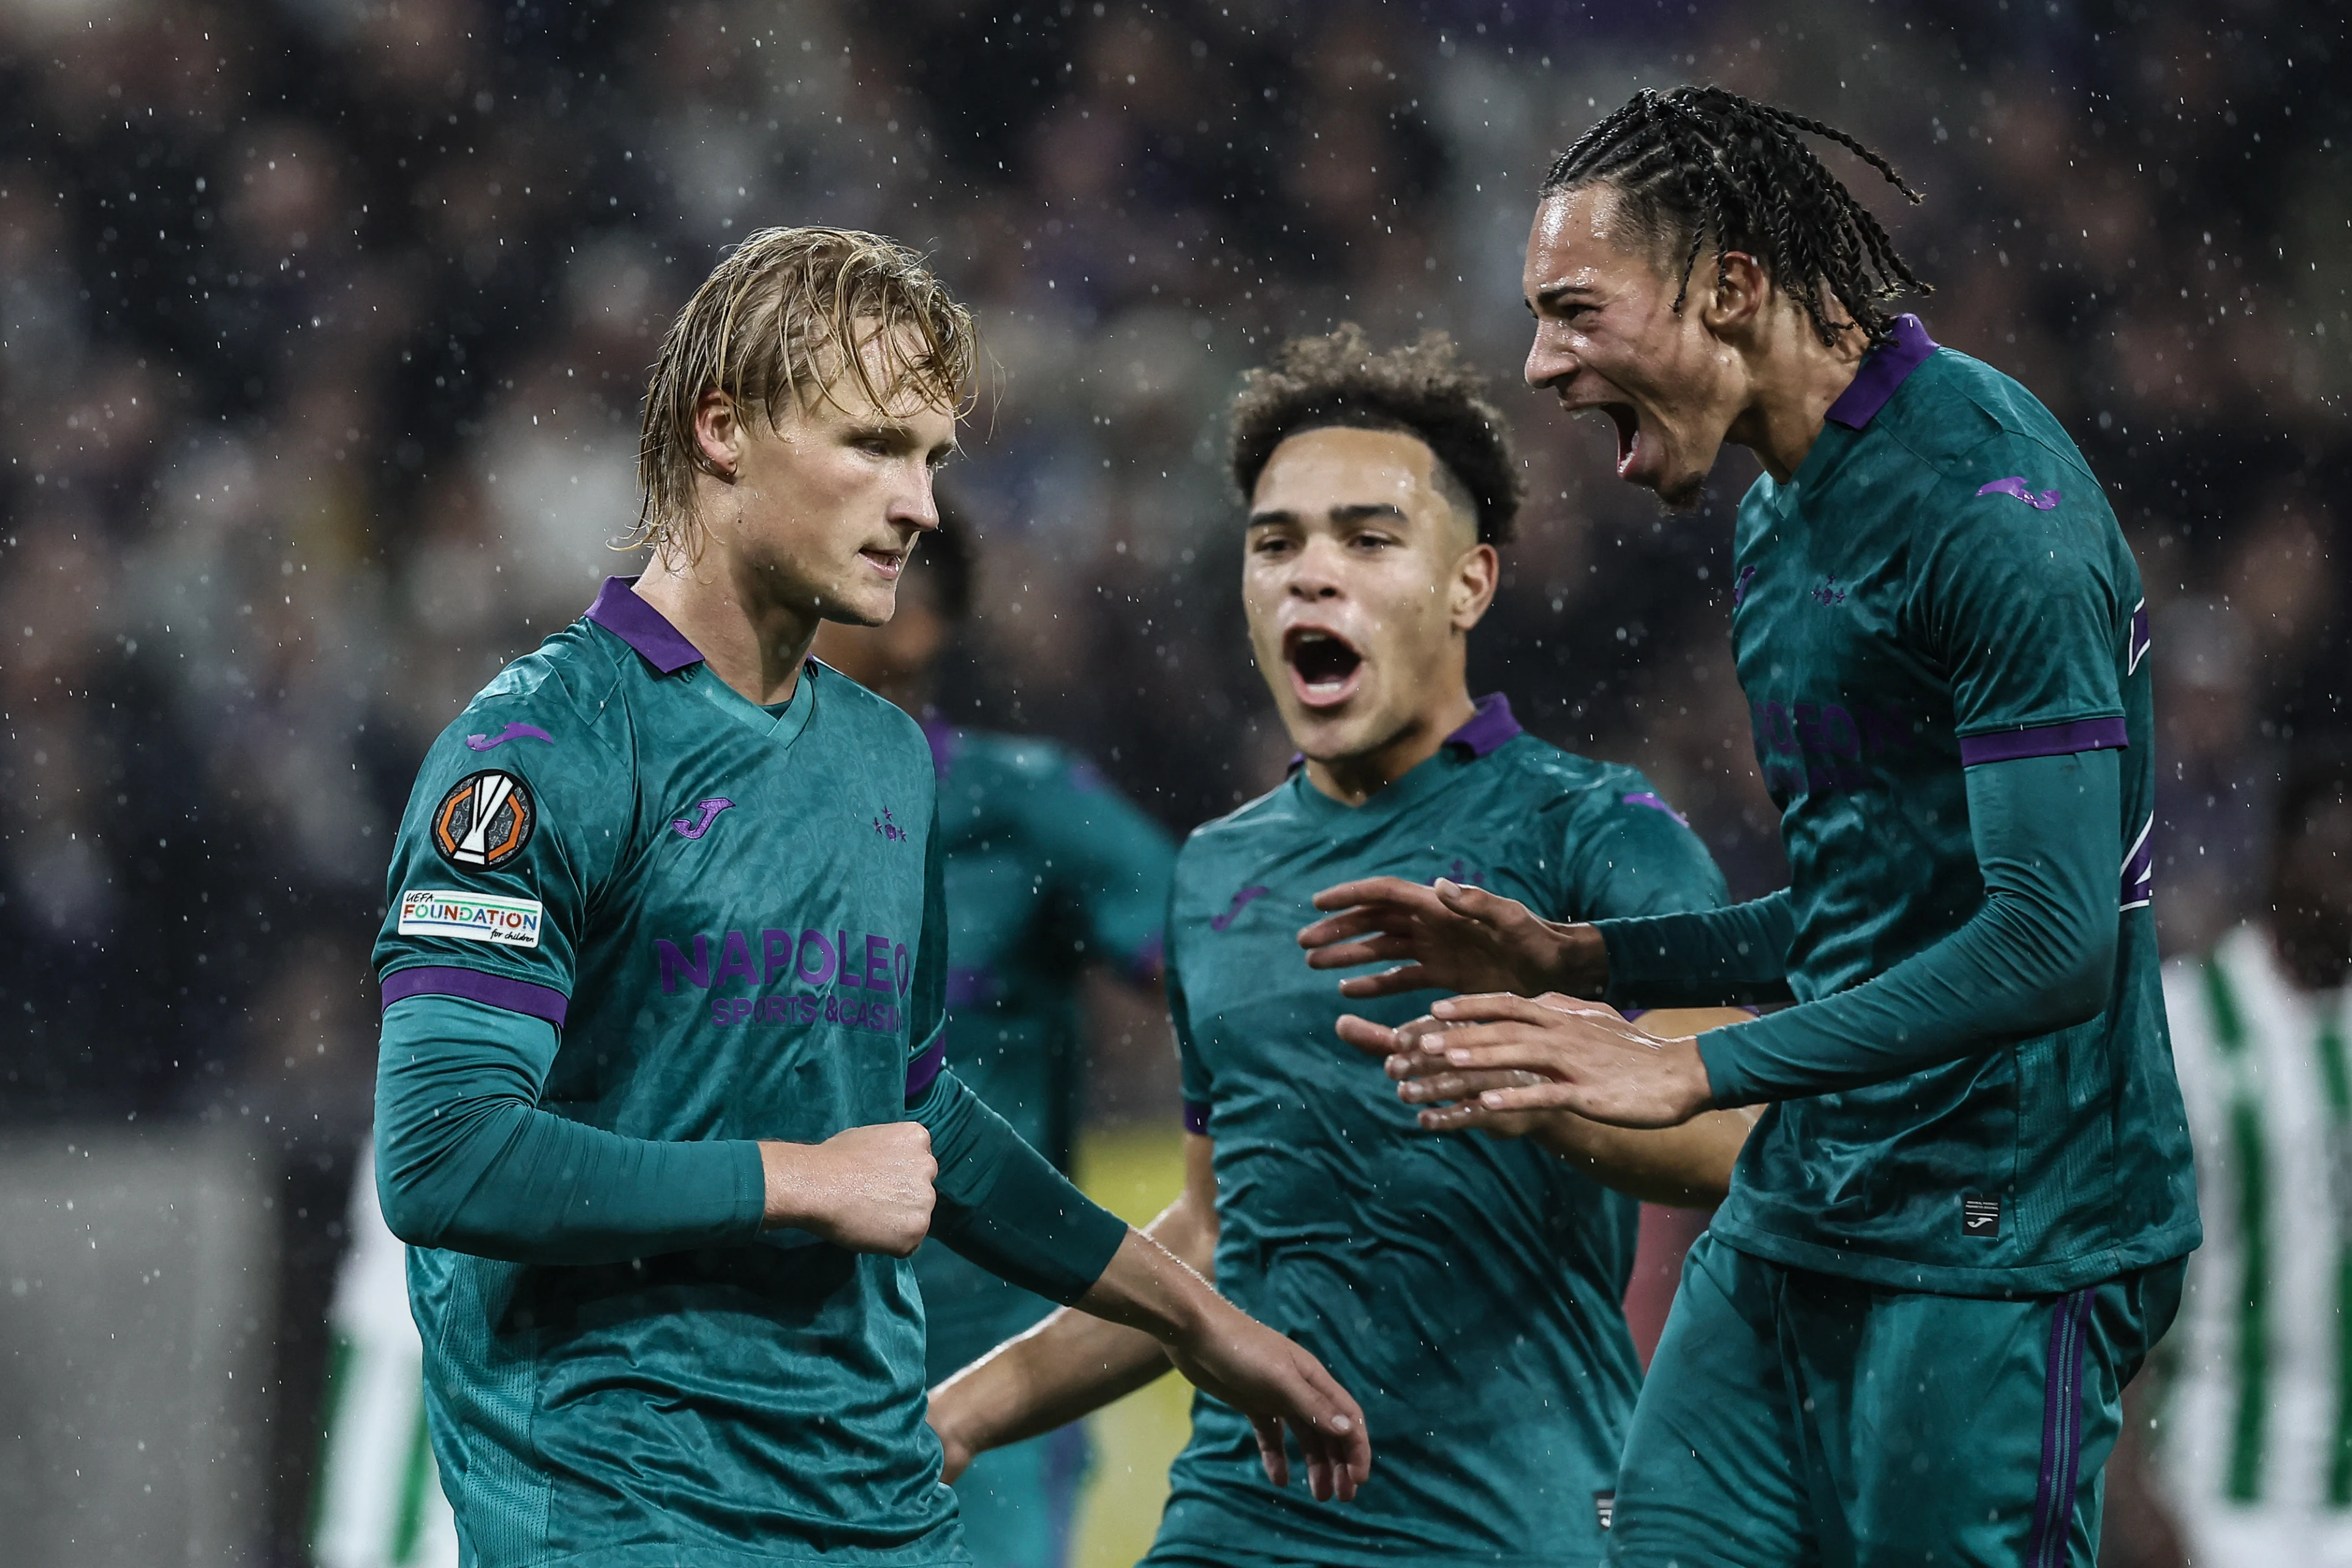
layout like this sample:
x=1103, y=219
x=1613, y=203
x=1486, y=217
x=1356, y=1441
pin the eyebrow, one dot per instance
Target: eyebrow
x=900, y=431
x=1553, y=293
x=1355, y=513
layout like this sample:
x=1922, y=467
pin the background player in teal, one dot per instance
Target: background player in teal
x=1046, y=868
x=1958, y=1229
x=661, y=1101
x=1469, y=1286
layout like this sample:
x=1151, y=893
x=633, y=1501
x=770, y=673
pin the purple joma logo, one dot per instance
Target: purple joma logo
x=697, y=826
x=1241, y=901
x=2015, y=485
x=511, y=733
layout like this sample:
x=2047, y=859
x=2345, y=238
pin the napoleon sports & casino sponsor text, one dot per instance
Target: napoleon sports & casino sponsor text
x=821, y=965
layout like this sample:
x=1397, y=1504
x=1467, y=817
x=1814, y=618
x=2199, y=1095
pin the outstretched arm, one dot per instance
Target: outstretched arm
x=1688, y=1166
x=2038, y=955
x=1074, y=1363
x=1454, y=937
x=1141, y=1309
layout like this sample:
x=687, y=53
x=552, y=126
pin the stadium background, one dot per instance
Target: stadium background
x=322, y=327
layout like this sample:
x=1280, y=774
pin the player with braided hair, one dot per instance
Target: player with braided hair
x=1960, y=1225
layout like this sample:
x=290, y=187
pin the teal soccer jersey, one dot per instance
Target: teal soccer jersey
x=1046, y=867
x=733, y=917
x=1941, y=586
x=1466, y=1289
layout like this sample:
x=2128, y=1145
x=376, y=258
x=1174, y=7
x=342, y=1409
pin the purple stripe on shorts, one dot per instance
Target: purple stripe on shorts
x=924, y=1070
x=2062, y=1432
x=495, y=990
x=1196, y=1116
x=2045, y=741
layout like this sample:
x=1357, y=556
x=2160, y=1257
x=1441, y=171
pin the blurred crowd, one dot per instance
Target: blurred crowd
x=323, y=326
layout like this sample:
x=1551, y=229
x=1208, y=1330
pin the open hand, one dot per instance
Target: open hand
x=1582, y=1057
x=1276, y=1383
x=1414, y=1055
x=1447, y=937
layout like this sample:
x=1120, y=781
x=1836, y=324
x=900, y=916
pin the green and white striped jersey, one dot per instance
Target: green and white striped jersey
x=378, y=1501
x=2258, y=1407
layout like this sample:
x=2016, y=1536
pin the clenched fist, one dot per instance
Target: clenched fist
x=867, y=1189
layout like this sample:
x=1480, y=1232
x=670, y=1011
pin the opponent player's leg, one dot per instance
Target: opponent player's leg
x=1711, y=1474
x=1959, y=1430
x=1019, y=1502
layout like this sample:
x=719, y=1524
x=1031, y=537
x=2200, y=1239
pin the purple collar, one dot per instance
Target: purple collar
x=619, y=611
x=1487, y=731
x=1489, y=728
x=1883, y=369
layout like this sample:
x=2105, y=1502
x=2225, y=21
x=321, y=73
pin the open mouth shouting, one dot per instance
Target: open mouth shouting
x=1629, y=436
x=1326, y=669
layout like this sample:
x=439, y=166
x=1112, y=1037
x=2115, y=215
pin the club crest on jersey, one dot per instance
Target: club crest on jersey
x=889, y=829
x=485, y=821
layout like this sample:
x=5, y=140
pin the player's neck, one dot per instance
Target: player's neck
x=1354, y=779
x=1792, y=379
x=750, y=639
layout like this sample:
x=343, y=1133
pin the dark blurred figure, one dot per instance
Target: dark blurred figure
x=1049, y=871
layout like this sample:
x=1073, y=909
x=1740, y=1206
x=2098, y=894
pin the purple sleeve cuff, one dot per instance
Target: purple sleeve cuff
x=2044, y=741
x=925, y=1068
x=495, y=990
x=1196, y=1116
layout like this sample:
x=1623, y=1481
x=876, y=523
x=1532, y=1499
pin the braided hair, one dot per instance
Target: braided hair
x=1699, y=162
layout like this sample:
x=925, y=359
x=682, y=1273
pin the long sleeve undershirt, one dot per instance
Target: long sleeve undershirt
x=2037, y=956
x=465, y=1159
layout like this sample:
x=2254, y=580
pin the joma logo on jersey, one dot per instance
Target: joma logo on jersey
x=1816, y=746
x=807, y=957
x=484, y=821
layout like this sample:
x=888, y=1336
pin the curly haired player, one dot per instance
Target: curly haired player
x=1467, y=1287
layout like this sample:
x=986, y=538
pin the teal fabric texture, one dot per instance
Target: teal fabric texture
x=1793, y=1416
x=637, y=923
x=1466, y=1290
x=1047, y=869
x=1943, y=642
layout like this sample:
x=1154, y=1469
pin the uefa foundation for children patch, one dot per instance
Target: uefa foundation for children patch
x=470, y=916
x=485, y=821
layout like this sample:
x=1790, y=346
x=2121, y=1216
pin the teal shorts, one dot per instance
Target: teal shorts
x=1018, y=1503
x=1800, y=1420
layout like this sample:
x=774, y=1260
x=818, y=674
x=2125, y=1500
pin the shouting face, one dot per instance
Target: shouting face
x=1608, y=338
x=1362, y=576
x=825, y=505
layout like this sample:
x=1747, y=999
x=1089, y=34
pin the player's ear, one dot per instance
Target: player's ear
x=1741, y=288
x=1476, y=576
x=718, y=433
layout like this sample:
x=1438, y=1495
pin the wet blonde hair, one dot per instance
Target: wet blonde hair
x=777, y=324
